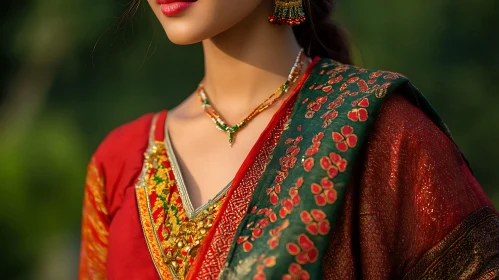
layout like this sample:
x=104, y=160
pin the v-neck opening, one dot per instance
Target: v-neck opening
x=184, y=195
x=191, y=212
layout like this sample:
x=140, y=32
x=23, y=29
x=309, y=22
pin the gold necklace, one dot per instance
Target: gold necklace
x=276, y=95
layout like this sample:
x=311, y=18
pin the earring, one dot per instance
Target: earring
x=288, y=12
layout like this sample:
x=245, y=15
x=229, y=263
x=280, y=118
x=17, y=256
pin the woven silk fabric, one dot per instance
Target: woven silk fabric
x=411, y=200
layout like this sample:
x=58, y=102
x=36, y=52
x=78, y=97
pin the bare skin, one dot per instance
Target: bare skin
x=245, y=61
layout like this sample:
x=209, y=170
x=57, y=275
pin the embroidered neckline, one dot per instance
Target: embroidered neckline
x=182, y=188
x=172, y=237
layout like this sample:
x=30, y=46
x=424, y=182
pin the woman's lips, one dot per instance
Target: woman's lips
x=172, y=7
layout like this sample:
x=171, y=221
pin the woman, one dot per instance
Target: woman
x=340, y=173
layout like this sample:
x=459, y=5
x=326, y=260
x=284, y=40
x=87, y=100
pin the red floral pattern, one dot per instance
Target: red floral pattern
x=316, y=222
x=257, y=228
x=265, y=263
x=329, y=116
x=296, y=272
x=333, y=164
x=308, y=164
x=316, y=143
x=345, y=139
x=360, y=113
x=275, y=234
x=305, y=251
x=315, y=106
x=335, y=80
x=288, y=204
x=287, y=162
x=324, y=193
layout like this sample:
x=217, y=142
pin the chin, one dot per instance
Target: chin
x=181, y=34
x=183, y=40
x=202, y=20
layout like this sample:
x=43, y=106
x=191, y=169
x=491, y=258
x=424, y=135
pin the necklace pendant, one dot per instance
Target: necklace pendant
x=231, y=138
x=274, y=97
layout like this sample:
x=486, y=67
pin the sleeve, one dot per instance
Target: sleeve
x=95, y=225
x=422, y=213
x=113, y=168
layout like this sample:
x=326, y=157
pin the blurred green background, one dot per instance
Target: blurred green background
x=70, y=75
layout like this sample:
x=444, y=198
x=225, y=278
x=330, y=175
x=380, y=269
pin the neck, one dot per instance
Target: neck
x=248, y=62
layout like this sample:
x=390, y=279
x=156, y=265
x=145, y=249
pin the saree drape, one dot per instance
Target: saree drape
x=355, y=177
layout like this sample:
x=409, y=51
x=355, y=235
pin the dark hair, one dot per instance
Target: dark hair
x=319, y=35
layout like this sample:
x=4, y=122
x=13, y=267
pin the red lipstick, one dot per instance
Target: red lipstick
x=173, y=7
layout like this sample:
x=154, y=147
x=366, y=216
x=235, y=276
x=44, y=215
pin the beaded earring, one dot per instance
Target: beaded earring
x=288, y=12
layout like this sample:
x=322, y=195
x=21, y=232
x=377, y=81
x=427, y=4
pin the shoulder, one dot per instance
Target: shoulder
x=344, y=94
x=355, y=89
x=414, y=181
x=406, y=143
x=385, y=111
x=133, y=134
x=413, y=133
x=352, y=74
x=405, y=121
x=119, y=158
x=362, y=92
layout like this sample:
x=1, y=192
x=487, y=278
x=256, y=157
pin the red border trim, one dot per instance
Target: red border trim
x=243, y=170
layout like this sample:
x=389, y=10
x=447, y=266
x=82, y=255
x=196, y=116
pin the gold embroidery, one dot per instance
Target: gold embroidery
x=152, y=242
x=172, y=237
x=95, y=184
x=185, y=239
x=468, y=252
x=94, y=227
x=181, y=236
